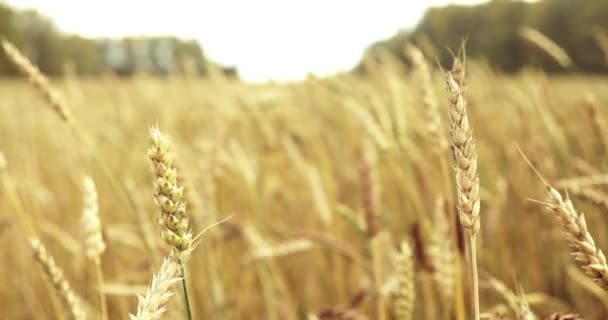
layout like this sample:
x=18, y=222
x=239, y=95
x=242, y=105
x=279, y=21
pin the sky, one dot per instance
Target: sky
x=263, y=39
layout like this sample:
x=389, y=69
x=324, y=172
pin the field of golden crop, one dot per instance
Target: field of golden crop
x=318, y=185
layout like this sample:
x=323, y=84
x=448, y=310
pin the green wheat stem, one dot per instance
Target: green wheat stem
x=182, y=267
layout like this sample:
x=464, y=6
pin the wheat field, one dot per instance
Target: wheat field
x=330, y=198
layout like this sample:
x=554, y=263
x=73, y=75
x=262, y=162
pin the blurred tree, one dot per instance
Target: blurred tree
x=36, y=36
x=7, y=30
x=491, y=30
x=40, y=41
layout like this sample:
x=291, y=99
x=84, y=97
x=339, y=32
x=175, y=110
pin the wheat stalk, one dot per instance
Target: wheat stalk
x=369, y=189
x=441, y=254
x=153, y=304
x=71, y=300
x=38, y=80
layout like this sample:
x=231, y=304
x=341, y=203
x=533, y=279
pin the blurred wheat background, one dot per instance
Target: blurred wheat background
x=328, y=198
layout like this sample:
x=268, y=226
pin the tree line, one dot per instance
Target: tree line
x=55, y=52
x=493, y=33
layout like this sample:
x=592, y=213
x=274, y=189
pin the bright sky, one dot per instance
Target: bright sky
x=264, y=39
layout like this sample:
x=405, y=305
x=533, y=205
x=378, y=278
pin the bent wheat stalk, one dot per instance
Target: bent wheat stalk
x=38, y=80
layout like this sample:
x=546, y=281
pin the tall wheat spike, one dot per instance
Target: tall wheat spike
x=464, y=157
x=168, y=197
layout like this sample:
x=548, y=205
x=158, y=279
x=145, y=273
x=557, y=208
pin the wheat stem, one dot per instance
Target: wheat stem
x=474, y=275
x=103, y=304
x=182, y=267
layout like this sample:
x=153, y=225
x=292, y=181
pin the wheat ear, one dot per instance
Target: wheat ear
x=71, y=300
x=597, y=197
x=405, y=294
x=464, y=157
x=93, y=240
x=153, y=304
x=432, y=120
x=168, y=197
x=591, y=258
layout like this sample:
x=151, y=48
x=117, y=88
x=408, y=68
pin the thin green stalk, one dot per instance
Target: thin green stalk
x=182, y=266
